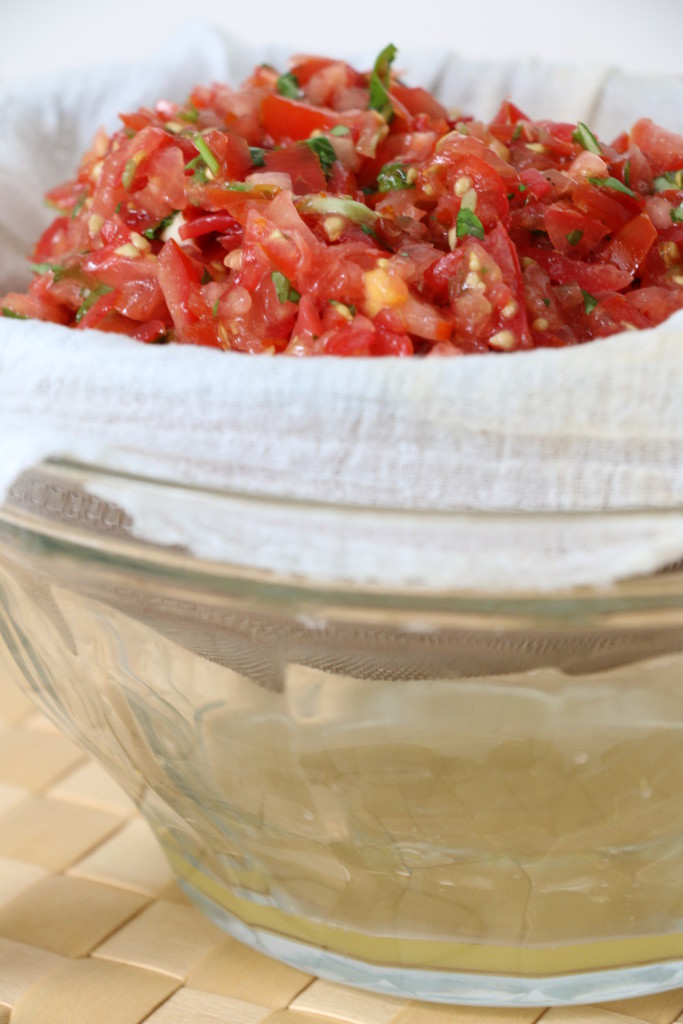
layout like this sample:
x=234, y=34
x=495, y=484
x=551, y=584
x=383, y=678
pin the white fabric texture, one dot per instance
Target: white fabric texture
x=598, y=428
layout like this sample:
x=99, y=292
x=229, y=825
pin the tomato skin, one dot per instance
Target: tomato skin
x=177, y=274
x=302, y=165
x=594, y=277
x=631, y=244
x=419, y=101
x=662, y=148
x=564, y=224
x=287, y=120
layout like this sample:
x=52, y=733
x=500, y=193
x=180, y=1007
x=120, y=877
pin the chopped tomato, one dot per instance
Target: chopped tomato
x=327, y=212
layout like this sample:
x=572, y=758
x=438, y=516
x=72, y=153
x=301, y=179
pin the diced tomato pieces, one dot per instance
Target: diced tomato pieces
x=287, y=120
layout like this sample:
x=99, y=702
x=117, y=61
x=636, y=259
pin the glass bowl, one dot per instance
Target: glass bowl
x=461, y=797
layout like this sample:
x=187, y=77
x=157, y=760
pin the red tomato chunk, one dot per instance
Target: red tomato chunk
x=328, y=211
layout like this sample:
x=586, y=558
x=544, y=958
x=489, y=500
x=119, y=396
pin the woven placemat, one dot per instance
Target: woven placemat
x=93, y=929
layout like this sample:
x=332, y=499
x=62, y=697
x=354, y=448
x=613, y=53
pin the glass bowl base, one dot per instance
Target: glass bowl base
x=442, y=986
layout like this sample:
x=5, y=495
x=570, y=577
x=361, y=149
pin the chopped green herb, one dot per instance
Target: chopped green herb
x=206, y=276
x=191, y=114
x=467, y=223
x=117, y=208
x=521, y=187
x=288, y=85
x=11, y=315
x=546, y=302
x=214, y=308
x=677, y=214
x=519, y=128
x=367, y=230
x=193, y=163
x=257, y=156
x=380, y=79
x=357, y=212
x=627, y=174
x=669, y=180
x=90, y=300
x=283, y=288
x=574, y=237
x=392, y=177
x=612, y=183
x=584, y=136
x=130, y=132
x=207, y=156
x=80, y=202
x=43, y=268
x=156, y=229
x=238, y=186
x=128, y=174
x=324, y=150
x=340, y=129
x=589, y=301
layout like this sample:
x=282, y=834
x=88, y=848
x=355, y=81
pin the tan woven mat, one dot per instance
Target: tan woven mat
x=93, y=930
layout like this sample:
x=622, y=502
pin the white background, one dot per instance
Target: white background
x=42, y=35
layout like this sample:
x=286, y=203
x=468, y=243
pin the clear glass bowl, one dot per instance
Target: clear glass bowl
x=470, y=798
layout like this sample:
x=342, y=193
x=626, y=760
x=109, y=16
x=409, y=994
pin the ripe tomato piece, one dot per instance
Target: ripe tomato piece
x=287, y=120
x=232, y=153
x=631, y=244
x=594, y=277
x=662, y=148
x=301, y=164
x=178, y=276
x=571, y=231
x=418, y=101
x=221, y=222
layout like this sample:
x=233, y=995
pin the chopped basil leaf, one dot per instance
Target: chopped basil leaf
x=677, y=214
x=283, y=288
x=324, y=150
x=584, y=136
x=80, y=202
x=392, y=177
x=156, y=229
x=191, y=114
x=207, y=156
x=288, y=85
x=257, y=156
x=340, y=129
x=589, y=301
x=519, y=128
x=669, y=180
x=521, y=187
x=627, y=174
x=43, y=268
x=90, y=300
x=206, y=277
x=128, y=174
x=467, y=223
x=574, y=237
x=367, y=230
x=11, y=315
x=117, y=208
x=214, y=308
x=612, y=183
x=380, y=79
x=546, y=302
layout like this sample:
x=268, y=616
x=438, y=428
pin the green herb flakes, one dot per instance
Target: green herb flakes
x=258, y=156
x=677, y=214
x=585, y=138
x=392, y=177
x=90, y=300
x=669, y=180
x=283, y=288
x=156, y=230
x=574, y=237
x=613, y=183
x=467, y=223
x=380, y=79
x=324, y=150
x=589, y=301
x=288, y=85
x=11, y=315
